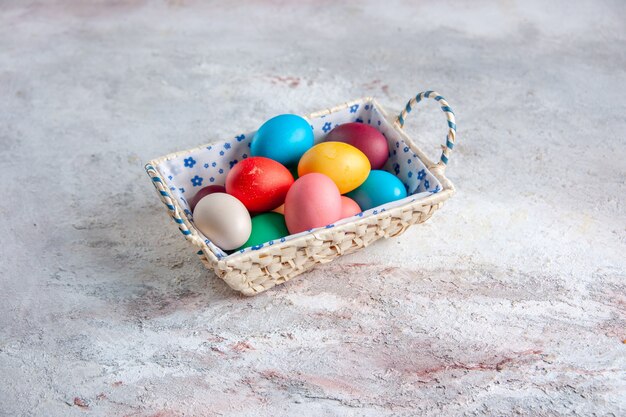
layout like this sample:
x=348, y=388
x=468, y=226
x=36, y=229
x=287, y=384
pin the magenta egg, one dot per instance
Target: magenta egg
x=365, y=138
x=312, y=201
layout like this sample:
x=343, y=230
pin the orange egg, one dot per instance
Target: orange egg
x=347, y=166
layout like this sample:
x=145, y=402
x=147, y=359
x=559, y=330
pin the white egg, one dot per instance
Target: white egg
x=223, y=219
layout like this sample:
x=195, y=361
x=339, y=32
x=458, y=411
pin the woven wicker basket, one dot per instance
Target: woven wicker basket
x=256, y=269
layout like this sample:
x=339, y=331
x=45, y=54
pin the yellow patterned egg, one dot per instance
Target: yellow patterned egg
x=347, y=166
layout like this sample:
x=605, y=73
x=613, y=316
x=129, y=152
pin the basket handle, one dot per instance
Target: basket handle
x=167, y=199
x=445, y=107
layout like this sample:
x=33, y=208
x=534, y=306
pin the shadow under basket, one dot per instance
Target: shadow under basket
x=179, y=176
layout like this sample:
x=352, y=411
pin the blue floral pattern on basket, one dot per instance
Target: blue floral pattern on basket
x=189, y=162
x=196, y=181
x=209, y=164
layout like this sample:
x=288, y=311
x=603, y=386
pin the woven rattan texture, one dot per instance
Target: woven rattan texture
x=257, y=271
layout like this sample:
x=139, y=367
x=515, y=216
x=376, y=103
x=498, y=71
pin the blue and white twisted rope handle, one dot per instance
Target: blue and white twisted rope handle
x=445, y=107
x=168, y=200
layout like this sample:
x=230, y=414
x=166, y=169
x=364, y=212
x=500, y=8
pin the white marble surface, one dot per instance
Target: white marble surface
x=510, y=300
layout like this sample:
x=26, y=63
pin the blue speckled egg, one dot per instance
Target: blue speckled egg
x=283, y=138
x=379, y=188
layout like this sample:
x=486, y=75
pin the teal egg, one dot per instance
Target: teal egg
x=379, y=188
x=284, y=138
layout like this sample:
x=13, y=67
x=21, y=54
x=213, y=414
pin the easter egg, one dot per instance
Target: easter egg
x=349, y=207
x=266, y=227
x=312, y=201
x=261, y=184
x=344, y=164
x=284, y=138
x=223, y=219
x=365, y=138
x=280, y=209
x=379, y=188
x=203, y=193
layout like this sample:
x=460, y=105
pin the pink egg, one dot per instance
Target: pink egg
x=203, y=193
x=349, y=207
x=312, y=201
x=365, y=138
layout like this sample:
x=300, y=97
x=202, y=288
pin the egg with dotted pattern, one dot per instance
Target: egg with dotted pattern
x=261, y=184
